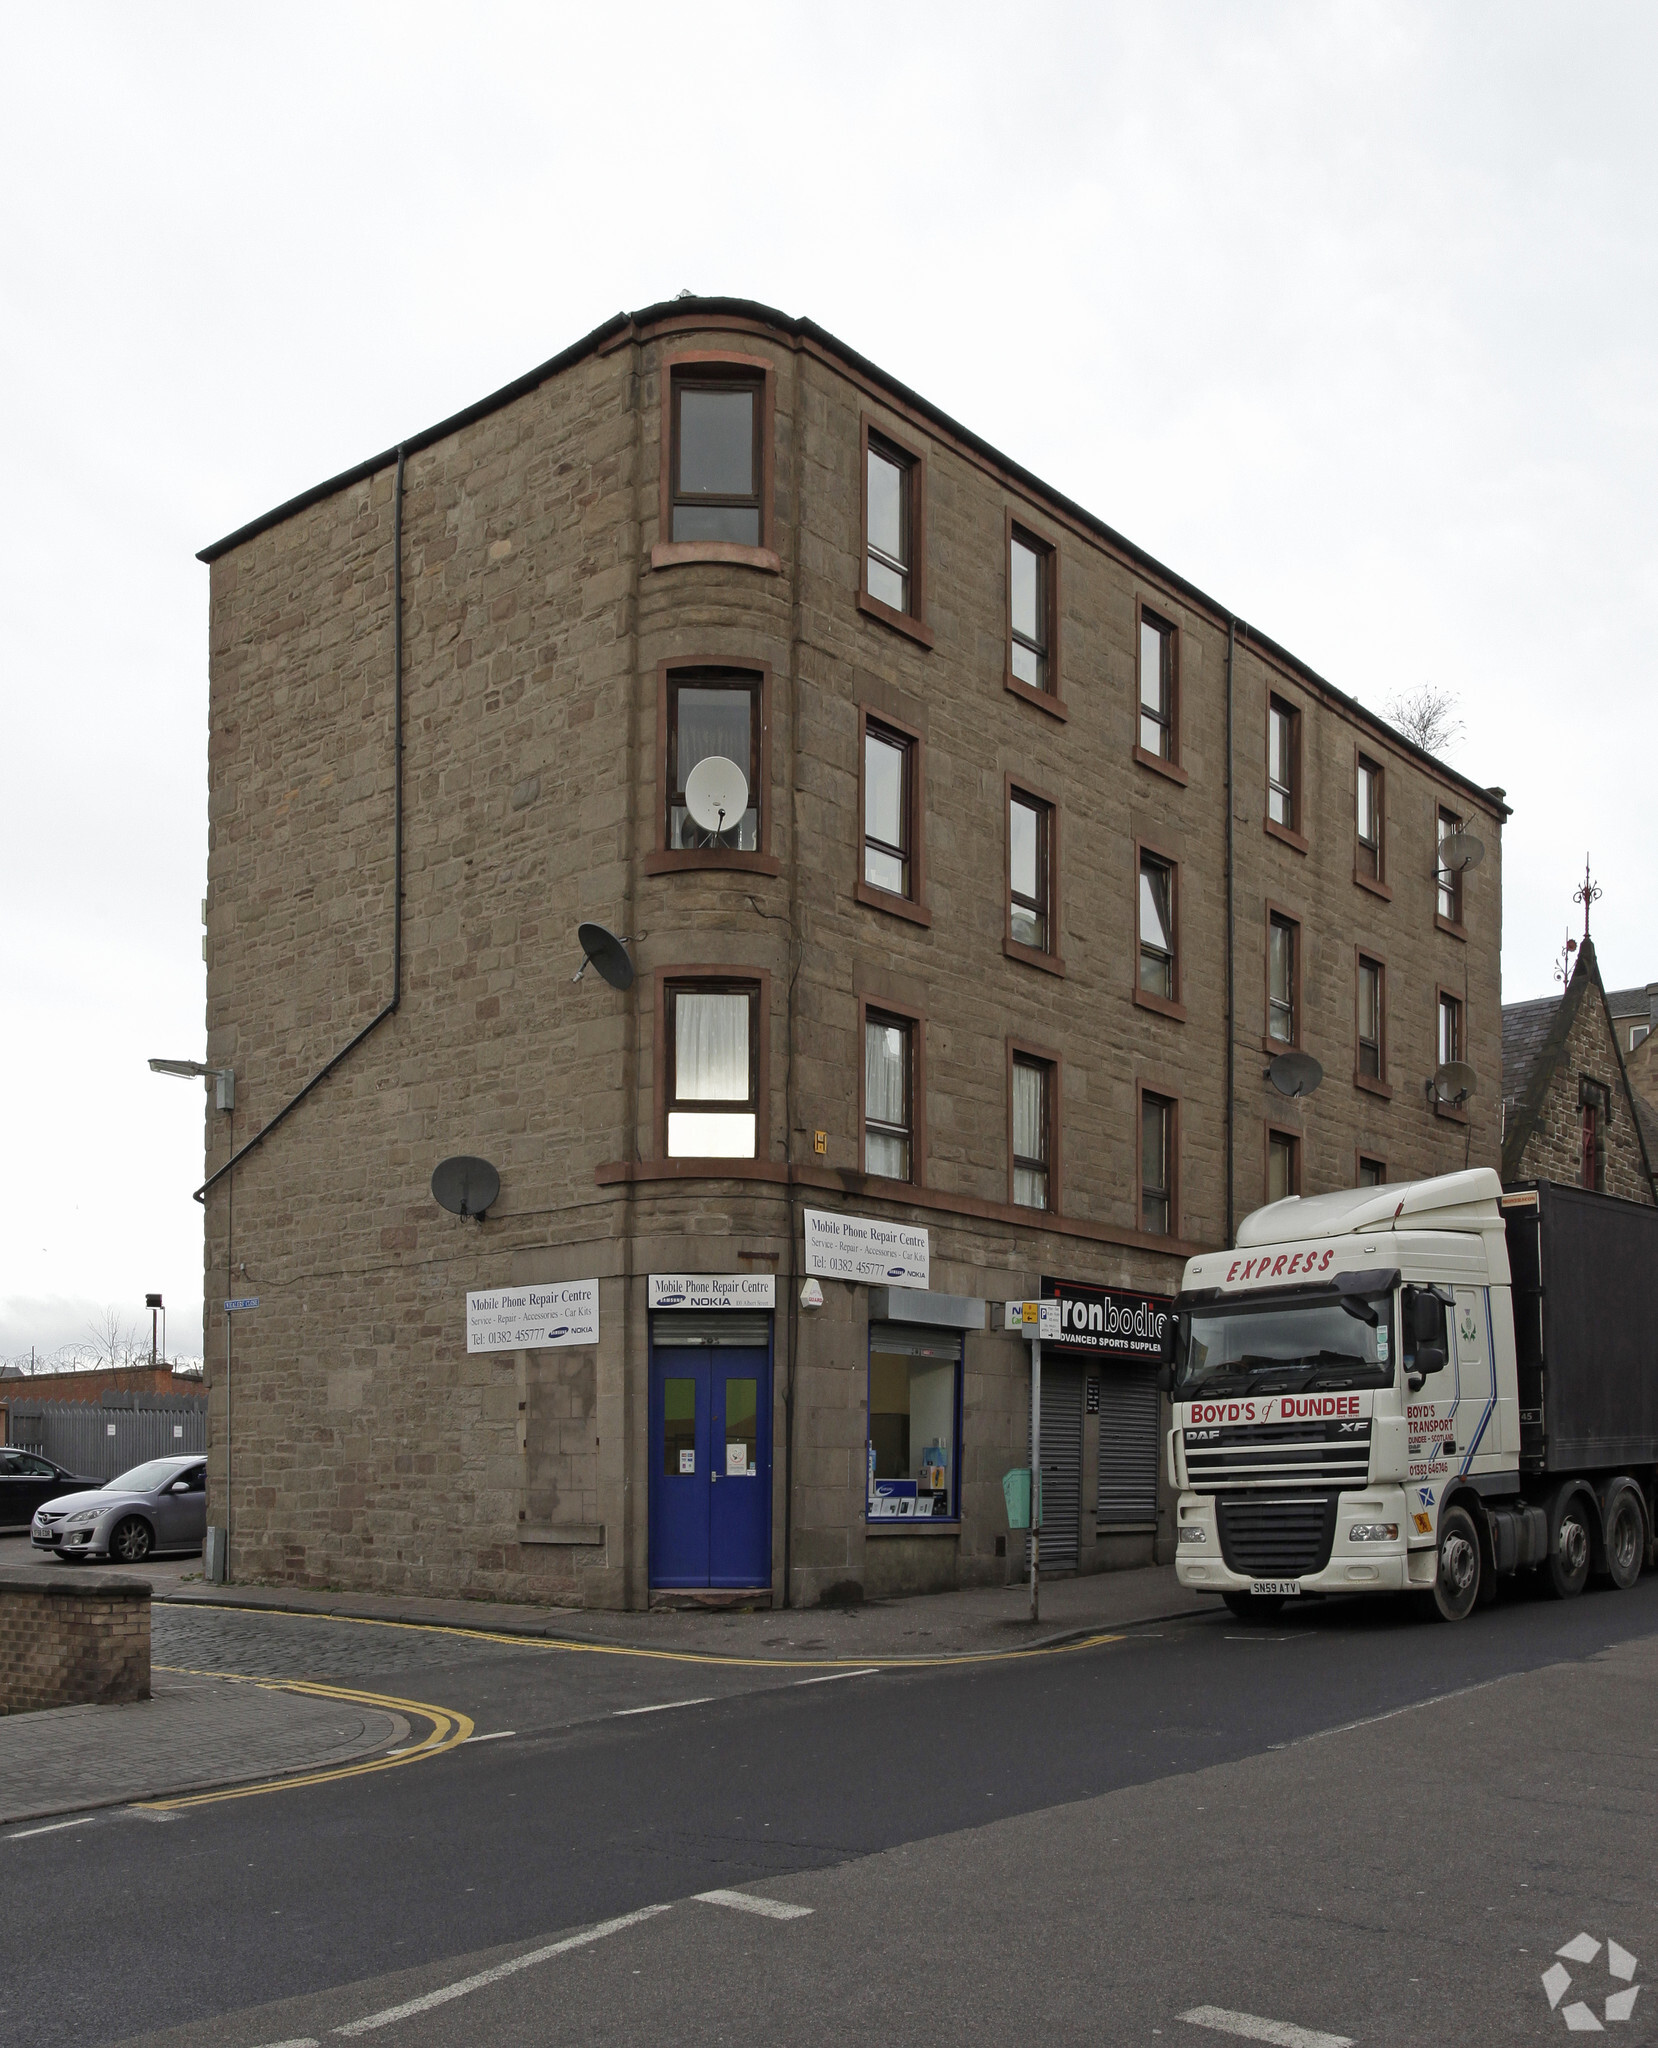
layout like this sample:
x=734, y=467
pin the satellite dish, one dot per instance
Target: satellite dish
x=1459, y=851
x=609, y=954
x=716, y=793
x=465, y=1186
x=1454, y=1082
x=1295, y=1073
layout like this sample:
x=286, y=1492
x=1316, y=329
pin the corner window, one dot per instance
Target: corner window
x=1157, y=687
x=712, y=713
x=1030, y=577
x=1283, y=1165
x=889, y=510
x=1371, y=1064
x=1450, y=1029
x=889, y=1096
x=1283, y=978
x=1157, y=1165
x=1367, y=857
x=1450, y=879
x=1372, y=1172
x=712, y=1062
x=716, y=458
x=914, y=1406
x=1032, y=1093
x=1158, y=967
x=1030, y=847
x=1283, y=764
x=889, y=797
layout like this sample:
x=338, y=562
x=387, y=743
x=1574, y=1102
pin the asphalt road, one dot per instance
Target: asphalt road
x=1092, y=1843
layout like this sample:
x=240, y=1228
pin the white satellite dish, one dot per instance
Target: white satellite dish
x=716, y=793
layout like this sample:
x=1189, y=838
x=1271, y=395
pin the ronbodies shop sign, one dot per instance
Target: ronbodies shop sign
x=1109, y=1322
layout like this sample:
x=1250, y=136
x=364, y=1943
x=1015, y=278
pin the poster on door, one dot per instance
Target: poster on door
x=865, y=1250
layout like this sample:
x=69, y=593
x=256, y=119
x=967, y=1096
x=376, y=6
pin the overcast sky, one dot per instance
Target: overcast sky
x=1348, y=313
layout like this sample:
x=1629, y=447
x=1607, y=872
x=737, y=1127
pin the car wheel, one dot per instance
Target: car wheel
x=1566, y=1572
x=1252, y=1606
x=1456, y=1586
x=131, y=1541
x=1625, y=1536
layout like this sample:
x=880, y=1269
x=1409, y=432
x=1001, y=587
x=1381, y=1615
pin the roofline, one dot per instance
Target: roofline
x=637, y=326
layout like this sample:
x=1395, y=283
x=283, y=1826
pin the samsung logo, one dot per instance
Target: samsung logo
x=895, y=1272
x=563, y=1330
x=667, y=1300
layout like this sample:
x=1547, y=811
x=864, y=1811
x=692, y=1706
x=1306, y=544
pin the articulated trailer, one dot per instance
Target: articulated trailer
x=1418, y=1389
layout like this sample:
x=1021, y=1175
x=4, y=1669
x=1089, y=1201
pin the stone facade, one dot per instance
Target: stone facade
x=70, y=1641
x=353, y=1439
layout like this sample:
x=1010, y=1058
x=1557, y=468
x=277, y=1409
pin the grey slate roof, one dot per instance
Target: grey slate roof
x=1627, y=1002
x=1525, y=1028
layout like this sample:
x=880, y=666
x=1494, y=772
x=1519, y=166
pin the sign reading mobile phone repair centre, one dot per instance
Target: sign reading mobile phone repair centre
x=530, y=1318
x=872, y=1253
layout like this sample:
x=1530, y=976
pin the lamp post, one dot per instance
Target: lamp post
x=224, y=1080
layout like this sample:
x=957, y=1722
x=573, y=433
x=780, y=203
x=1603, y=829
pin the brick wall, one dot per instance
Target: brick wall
x=72, y=1641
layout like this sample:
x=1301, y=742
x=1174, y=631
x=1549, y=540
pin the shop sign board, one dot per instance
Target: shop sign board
x=713, y=1290
x=865, y=1250
x=1034, y=1319
x=1108, y=1322
x=534, y=1317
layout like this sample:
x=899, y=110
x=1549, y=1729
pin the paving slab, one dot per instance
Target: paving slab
x=193, y=1734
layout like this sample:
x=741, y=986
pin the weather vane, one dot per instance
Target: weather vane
x=1563, y=966
x=1587, y=892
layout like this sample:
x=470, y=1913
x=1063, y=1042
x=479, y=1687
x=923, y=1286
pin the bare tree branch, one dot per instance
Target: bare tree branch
x=1427, y=718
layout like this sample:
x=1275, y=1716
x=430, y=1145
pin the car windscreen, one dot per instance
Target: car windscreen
x=1235, y=1347
x=144, y=1478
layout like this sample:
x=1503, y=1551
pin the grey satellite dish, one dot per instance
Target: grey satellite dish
x=1295, y=1073
x=1459, y=851
x=609, y=954
x=465, y=1186
x=716, y=793
x=1454, y=1082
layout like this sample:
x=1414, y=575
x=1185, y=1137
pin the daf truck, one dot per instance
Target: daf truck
x=1418, y=1388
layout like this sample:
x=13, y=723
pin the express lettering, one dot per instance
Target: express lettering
x=1284, y=1267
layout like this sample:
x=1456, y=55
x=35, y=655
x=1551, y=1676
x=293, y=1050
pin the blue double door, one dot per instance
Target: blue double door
x=710, y=1452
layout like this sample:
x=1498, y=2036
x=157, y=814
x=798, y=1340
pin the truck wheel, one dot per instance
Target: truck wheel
x=1252, y=1606
x=1566, y=1572
x=1625, y=1535
x=1456, y=1586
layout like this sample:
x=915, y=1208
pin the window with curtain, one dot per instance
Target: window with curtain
x=1157, y=957
x=1156, y=1165
x=712, y=1063
x=713, y=712
x=1031, y=1127
x=889, y=1096
x=889, y=763
x=1282, y=934
x=1030, y=603
x=716, y=459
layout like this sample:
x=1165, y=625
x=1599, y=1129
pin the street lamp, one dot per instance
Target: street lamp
x=190, y=1070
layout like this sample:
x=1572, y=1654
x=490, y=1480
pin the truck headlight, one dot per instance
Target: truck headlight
x=1191, y=1533
x=1374, y=1532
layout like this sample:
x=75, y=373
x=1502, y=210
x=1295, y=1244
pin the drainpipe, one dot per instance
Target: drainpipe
x=1231, y=951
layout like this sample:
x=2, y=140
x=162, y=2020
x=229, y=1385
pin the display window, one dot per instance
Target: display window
x=914, y=1434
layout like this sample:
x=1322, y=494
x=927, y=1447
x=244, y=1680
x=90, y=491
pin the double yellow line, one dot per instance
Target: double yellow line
x=448, y=1729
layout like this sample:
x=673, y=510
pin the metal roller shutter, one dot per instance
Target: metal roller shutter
x=746, y=1329
x=1130, y=1427
x=1061, y=1467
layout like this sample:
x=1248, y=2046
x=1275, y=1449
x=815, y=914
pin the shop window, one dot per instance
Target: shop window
x=1032, y=1131
x=1372, y=1172
x=1031, y=621
x=1158, y=965
x=1157, y=1165
x=716, y=458
x=1283, y=765
x=712, y=1069
x=1450, y=1028
x=914, y=1411
x=1367, y=822
x=1283, y=1165
x=1030, y=865
x=889, y=1096
x=1158, y=729
x=1450, y=879
x=889, y=809
x=712, y=712
x=1283, y=980
x=1372, y=1065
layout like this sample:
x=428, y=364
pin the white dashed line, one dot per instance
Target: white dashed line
x=746, y=1902
x=870, y=1671
x=307, y=2042
x=500, y=1735
x=666, y=1706
x=459, y=1989
x=1250, y=2028
x=56, y=1828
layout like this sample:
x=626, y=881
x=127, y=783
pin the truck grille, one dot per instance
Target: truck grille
x=1279, y=1454
x=1270, y=1536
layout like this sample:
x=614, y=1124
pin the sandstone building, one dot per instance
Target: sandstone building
x=1044, y=857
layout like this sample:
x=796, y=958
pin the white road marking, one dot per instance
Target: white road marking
x=463, y=1985
x=746, y=1902
x=56, y=1828
x=1249, y=2028
x=870, y=1671
x=666, y=1706
x=500, y=1735
x=307, y=2042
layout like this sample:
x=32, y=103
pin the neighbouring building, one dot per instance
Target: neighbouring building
x=1569, y=1111
x=1033, y=861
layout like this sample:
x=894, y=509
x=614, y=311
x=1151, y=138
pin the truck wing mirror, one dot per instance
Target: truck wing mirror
x=1430, y=1358
x=1427, y=1318
x=1165, y=1377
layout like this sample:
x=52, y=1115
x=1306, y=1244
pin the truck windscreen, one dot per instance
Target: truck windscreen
x=1285, y=1347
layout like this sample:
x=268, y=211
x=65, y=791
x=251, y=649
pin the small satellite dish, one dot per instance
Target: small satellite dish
x=1295, y=1073
x=465, y=1186
x=609, y=954
x=1459, y=851
x=1454, y=1082
x=716, y=793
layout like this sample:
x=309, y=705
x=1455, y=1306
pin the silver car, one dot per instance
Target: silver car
x=161, y=1505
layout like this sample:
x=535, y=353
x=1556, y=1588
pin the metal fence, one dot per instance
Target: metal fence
x=96, y=1442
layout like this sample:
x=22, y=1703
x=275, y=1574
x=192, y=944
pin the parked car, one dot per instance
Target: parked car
x=160, y=1505
x=27, y=1480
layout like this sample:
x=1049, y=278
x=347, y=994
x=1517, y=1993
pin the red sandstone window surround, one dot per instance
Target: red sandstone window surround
x=892, y=869
x=1370, y=825
x=717, y=461
x=711, y=1065
x=1157, y=693
x=892, y=1091
x=1370, y=1051
x=1159, y=1163
x=1448, y=887
x=1285, y=815
x=1283, y=1018
x=892, y=572
x=708, y=707
x=1031, y=931
x=1157, y=933
x=1031, y=667
x=1033, y=1127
